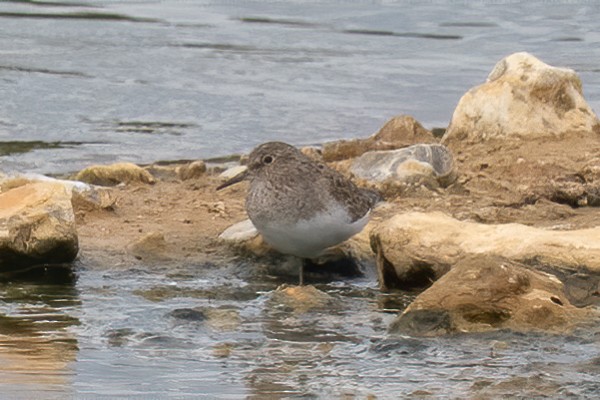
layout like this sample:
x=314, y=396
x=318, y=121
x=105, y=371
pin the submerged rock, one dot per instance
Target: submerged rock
x=301, y=299
x=114, y=174
x=421, y=161
x=37, y=225
x=415, y=249
x=523, y=98
x=484, y=293
x=400, y=131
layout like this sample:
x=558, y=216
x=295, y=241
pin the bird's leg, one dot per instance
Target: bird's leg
x=301, y=272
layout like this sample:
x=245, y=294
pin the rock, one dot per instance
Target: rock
x=244, y=236
x=414, y=249
x=400, y=131
x=84, y=197
x=301, y=299
x=192, y=170
x=312, y=152
x=421, y=161
x=151, y=247
x=579, y=189
x=485, y=293
x=231, y=172
x=114, y=174
x=239, y=232
x=93, y=199
x=522, y=98
x=37, y=226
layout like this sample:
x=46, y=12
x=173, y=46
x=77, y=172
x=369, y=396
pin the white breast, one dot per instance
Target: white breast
x=308, y=238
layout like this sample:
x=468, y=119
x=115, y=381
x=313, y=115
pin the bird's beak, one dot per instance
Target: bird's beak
x=238, y=178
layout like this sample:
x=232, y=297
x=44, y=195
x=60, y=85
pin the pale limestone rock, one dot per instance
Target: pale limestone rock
x=239, y=232
x=523, y=98
x=84, y=197
x=484, y=293
x=414, y=249
x=231, y=172
x=114, y=174
x=37, y=225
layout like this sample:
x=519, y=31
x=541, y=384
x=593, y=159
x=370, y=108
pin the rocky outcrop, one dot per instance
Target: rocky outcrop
x=421, y=162
x=37, y=225
x=400, y=131
x=114, y=174
x=522, y=98
x=415, y=249
x=486, y=293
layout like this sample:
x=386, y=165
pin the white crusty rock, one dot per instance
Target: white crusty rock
x=37, y=225
x=523, y=97
x=403, y=165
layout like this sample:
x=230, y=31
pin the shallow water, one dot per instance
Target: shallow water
x=96, y=82
x=198, y=330
x=146, y=80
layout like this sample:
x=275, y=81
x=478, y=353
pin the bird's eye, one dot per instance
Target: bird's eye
x=267, y=159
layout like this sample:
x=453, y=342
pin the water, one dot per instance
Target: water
x=144, y=81
x=196, y=331
x=96, y=82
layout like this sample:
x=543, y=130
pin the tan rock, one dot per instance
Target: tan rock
x=484, y=293
x=301, y=299
x=192, y=170
x=523, y=98
x=114, y=174
x=151, y=247
x=400, y=131
x=37, y=225
x=84, y=197
x=415, y=249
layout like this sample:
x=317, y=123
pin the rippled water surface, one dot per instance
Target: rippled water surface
x=198, y=330
x=99, y=81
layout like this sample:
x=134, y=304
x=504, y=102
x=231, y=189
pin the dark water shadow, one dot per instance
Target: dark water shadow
x=153, y=127
x=31, y=70
x=415, y=35
x=276, y=21
x=51, y=3
x=83, y=15
x=469, y=25
x=19, y=147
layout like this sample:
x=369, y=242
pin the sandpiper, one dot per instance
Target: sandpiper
x=301, y=207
